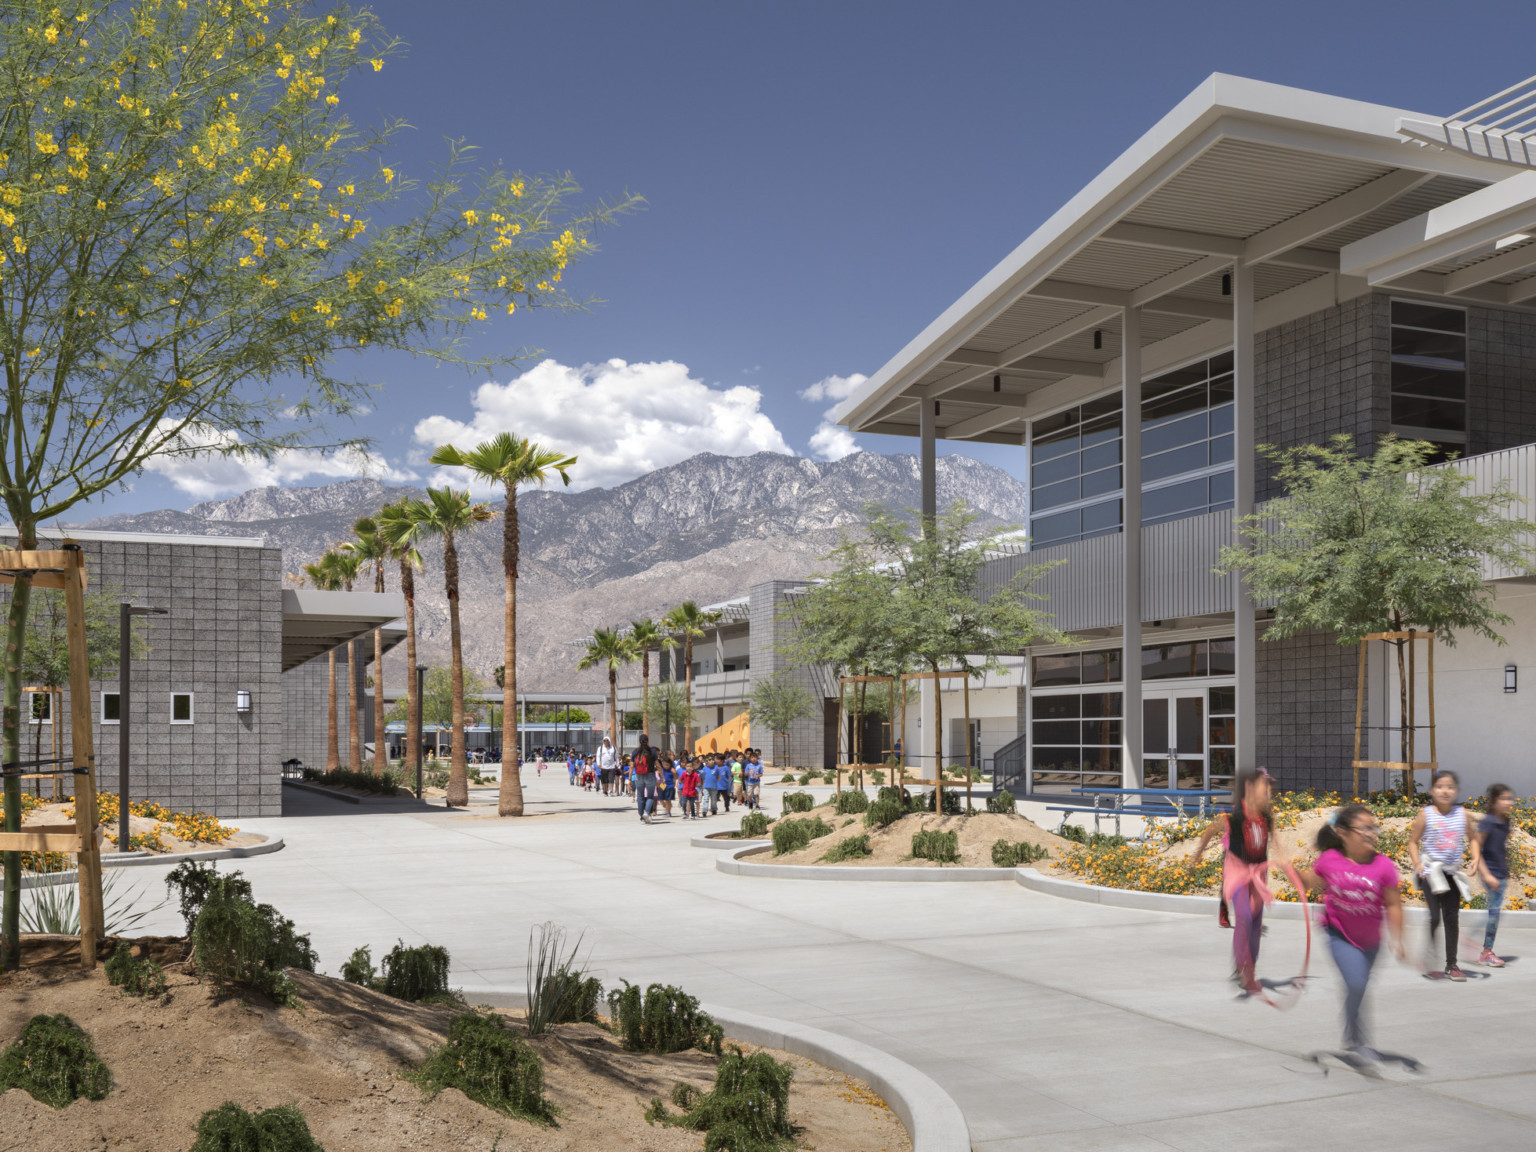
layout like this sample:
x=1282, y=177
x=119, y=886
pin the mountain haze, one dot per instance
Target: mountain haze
x=705, y=529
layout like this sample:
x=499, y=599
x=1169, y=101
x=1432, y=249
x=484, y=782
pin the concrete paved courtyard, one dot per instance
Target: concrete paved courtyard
x=1054, y=1024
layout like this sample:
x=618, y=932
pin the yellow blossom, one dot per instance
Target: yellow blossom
x=378, y=65
x=45, y=143
x=471, y=217
x=51, y=34
x=389, y=175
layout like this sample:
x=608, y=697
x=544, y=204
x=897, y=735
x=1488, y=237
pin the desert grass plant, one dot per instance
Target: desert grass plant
x=792, y=835
x=665, y=1019
x=746, y=1111
x=1006, y=855
x=134, y=975
x=230, y=1128
x=1090, y=839
x=878, y=777
x=1003, y=803
x=852, y=801
x=754, y=825
x=883, y=812
x=931, y=844
x=236, y=941
x=807, y=777
x=55, y=1062
x=54, y=908
x=798, y=801
x=787, y=778
x=486, y=1061
x=559, y=989
x=923, y=802
x=852, y=848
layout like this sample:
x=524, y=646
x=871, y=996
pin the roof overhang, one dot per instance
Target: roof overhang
x=1279, y=178
x=315, y=622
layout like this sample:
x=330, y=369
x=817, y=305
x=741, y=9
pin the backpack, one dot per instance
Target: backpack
x=645, y=760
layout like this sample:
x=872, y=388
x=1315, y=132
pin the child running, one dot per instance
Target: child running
x=1492, y=842
x=1360, y=891
x=1246, y=833
x=1436, y=844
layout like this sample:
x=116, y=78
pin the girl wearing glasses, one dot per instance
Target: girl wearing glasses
x=1360, y=887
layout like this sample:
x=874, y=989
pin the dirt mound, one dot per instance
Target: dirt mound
x=339, y=1059
x=892, y=845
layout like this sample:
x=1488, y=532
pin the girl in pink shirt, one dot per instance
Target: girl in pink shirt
x=1360, y=887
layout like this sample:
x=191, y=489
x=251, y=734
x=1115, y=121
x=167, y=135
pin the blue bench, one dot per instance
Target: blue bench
x=1150, y=812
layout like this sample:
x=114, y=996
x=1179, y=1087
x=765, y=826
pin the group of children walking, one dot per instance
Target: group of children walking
x=701, y=784
x=1362, y=905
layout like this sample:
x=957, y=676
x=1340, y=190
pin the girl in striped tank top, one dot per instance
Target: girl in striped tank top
x=1437, y=843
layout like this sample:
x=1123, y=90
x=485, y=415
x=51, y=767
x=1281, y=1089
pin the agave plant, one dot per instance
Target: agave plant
x=54, y=909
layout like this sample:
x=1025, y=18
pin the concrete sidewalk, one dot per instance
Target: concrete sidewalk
x=1054, y=1024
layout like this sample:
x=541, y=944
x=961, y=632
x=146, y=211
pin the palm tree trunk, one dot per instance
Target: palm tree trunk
x=613, y=704
x=509, y=796
x=332, y=736
x=688, y=692
x=645, y=689
x=354, y=735
x=458, y=764
x=412, y=703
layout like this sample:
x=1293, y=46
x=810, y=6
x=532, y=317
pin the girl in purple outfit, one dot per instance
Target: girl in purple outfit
x=1360, y=887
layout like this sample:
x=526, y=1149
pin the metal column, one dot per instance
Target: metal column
x=1244, y=617
x=927, y=431
x=1130, y=529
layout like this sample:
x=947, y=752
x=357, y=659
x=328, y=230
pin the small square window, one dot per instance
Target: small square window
x=42, y=707
x=181, y=707
x=111, y=708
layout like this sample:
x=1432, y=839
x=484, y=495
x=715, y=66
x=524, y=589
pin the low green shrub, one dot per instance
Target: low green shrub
x=931, y=844
x=792, y=835
x=1091, y=839
x=1002, y=803
x=192, y=882
x=666, y=1019
x=787, y=779
x=892, y=792
x=882, y=812
x=358, y=968
x=829, y=778
x=848, y=849
x=134, y=976
x=807, y=777
x=386, y=783
x=55, y=1062
x=559, y=989
x=417, y=974
x=754, y=825
x=746, y=1111
x=1006, y=855
x=798, y=801
x=236, y=941
x=923, y=802
x=230, y=1128
x=852, y=801
x=487, y=1062
x=878, y=777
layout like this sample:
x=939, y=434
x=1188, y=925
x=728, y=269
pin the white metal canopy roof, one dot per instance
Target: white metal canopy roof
x=1280, y=178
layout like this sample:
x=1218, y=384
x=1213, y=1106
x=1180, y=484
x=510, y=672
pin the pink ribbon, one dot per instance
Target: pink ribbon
x=1237, y=874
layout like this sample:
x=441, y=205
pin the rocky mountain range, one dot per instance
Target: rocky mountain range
x=705, y=529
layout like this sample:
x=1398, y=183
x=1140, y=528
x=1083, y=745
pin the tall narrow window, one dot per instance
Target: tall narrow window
x=181, y=708
x=1074, y=482
x=1186, y=441
x=1429, y=373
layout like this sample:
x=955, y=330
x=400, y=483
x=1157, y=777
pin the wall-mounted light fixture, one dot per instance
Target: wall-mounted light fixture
x=1510, y=674
x=1226, y=283
x=997, y=383
x=242, y=701
x=935, y=407
x=1098, y=339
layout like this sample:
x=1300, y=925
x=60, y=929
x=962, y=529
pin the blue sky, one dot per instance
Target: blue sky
x=821, y=179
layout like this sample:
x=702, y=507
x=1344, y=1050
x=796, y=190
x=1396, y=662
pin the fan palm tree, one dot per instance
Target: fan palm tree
x=689, y=621
x=447, y=514
x=347, y=566
x=324, y=577
x=510, y=461
x=610, y=649
x=371, y=547
x=399, y=533
x=646, y=635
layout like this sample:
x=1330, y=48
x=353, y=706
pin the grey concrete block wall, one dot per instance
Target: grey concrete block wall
x=1501, y=385
x=306, y=690
x=768, y=633
x=223, y=634
x=1306, y=702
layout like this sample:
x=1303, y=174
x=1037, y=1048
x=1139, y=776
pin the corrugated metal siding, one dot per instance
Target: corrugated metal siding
x=1515, y=468
x=1176, y=563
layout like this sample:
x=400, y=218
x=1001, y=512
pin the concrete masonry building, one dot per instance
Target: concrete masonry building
x=1264, y=266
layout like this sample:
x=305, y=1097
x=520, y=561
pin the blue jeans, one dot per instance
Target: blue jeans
x=1495, y=898
x=645, y=792
x=1355, y=967
x=691, y=806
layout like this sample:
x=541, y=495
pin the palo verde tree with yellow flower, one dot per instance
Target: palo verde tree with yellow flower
x=192, y=231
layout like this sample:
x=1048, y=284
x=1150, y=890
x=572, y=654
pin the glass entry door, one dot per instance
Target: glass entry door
x=1173, y=739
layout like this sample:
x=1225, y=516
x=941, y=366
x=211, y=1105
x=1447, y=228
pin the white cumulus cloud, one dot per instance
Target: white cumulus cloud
x=620, y=420
x=204, y=470
x=832, y=441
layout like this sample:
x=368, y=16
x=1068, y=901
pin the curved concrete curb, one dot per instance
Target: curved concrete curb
x=1197, y=905
x=737, y=867
x=140, y=859
x=931, y=1117
x=706, y=842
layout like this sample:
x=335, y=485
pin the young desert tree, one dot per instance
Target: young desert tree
x=670, y=710
x=777, y=701
x=370, y=546
x=510, y=461
x=191, y=231
x=1383, y=543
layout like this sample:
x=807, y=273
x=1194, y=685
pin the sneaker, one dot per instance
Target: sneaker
x=1453, y=972
x=1489, y=960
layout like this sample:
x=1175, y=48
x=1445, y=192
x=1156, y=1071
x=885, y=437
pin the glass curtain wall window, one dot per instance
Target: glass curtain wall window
x=1429, y=373
x=1186, y=441
x=1076, y=741
x=1074, y=482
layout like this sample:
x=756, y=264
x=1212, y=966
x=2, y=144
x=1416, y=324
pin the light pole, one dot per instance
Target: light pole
x=421, y=707
x=125, y=614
